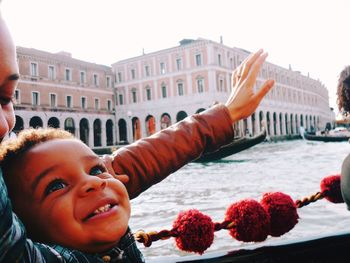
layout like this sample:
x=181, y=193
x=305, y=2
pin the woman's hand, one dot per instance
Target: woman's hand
x=107, y=161
x=243, y=101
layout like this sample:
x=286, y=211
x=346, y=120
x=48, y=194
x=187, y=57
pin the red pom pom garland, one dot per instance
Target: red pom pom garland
x=250, y=221
x=282, y=211
x=195, y=231
x=247, y=220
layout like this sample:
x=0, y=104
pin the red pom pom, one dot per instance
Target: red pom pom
x=282, y=211
x=330, y=187
x=251, y=222
x=195, y=231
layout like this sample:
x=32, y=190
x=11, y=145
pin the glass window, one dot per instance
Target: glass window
x=198, y=59
x=134, y=97
x=95, y=79
x=97, y=104
x=133, y=74
x=148, y=94
x=119, y=77
x=109, y=105
x=82, y=77
x=162, y=68
x=83, y=103
x=53, y=101
x=219, y=59
x=147, y=71
x=200, y=85
x=34, y=69
x=17, y=96
x=108, y=82
x=68, y=74
x=164, y=91
x=179, y=64
x=35, y=98
x=51, y=72
x=69, y=102
x=121, y=99
x=180, y=89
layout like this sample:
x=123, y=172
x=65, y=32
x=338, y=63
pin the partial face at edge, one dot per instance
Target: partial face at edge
x=9, y=76
x=69, y=198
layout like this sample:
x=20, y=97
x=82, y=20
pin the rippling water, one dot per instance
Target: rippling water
x=293, y=167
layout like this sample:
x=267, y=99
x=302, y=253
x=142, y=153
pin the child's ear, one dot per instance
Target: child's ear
x=107, y=161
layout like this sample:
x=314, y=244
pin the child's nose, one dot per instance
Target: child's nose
x=92, y=184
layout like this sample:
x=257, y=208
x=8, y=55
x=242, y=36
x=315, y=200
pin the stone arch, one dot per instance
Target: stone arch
x=136, y=128
x=200, y=110
x=165, y=121
x=53, y=122
x=181, y=115
x=150, y=125
x=36, y=122
x=122, y=128
x=19, y=125
x=84, y=130
x=109, y=132
x=261, y=118
x=97, y=128
x=69, y=125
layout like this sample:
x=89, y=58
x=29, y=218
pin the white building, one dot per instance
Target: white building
x=155, y=90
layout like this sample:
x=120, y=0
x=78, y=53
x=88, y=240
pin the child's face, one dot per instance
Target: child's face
x=65, y=196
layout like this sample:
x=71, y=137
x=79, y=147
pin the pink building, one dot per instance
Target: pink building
x=157, y=89
x=57, y=90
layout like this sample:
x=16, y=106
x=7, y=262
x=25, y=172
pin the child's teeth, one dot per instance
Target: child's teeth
x=102, y=209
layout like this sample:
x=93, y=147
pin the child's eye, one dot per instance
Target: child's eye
x=98, y=169
x=54, y=186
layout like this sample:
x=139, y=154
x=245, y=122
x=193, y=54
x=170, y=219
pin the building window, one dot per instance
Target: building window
x=34, y=69
x=35, y=98
x=221, y=85
x=109, y=105
x=95, y=79
x=119, y=77
x=121, y=99
x=147, y=71
x=133, y=95
x=97, y=104
x=162, y=68
x=200, y=86
x=148, y=94
x=53, y=100
x=83, y=103
x=133, y=74
x=82, y=77
x=164, y=92
x=68, y=74
x=17, y=96
x=51, y=73
x=198, y=60
x=219, y=59
x=179, y=64
x=69, y=102
x=180, y=89
x=108, y=82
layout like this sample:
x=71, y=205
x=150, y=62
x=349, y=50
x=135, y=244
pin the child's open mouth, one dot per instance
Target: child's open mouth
x=100, y=211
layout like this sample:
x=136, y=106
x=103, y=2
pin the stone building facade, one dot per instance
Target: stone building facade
x=56, y=90
x=158, y=89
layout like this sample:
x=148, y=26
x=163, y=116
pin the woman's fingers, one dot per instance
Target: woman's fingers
x=265, y=88
x=255, y=69
x=247, y=64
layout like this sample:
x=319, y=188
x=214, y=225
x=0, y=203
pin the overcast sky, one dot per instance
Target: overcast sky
x=311, y=35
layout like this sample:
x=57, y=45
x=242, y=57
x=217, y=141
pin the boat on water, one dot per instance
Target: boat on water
x=339, y=134
x=237, y=145
x=334, y=248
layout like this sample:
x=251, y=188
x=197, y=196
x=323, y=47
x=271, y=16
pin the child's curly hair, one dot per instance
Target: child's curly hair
x=26, y=139
x=343, y=91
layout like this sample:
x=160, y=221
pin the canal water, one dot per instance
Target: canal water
x=292, y=167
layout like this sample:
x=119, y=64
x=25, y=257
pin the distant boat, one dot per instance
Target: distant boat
x=339, y=134
x=237, y=145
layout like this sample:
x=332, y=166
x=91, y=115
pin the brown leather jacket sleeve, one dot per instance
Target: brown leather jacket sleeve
x=150, y=160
